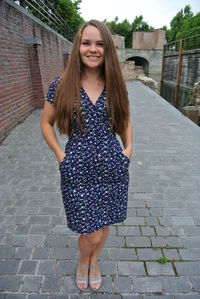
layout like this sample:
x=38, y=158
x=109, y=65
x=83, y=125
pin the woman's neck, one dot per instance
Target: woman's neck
x=92, y=75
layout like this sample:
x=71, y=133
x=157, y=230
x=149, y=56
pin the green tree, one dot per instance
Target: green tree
x=184, y=24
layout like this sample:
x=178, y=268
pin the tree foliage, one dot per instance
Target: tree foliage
x=69, y=11
x=126, y=29
x=184, y=24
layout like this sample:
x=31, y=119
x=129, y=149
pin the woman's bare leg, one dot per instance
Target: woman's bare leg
x=87, y=243
x=95, y=253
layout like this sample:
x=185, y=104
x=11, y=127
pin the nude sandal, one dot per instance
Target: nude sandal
x=95, y=279
x=82, y=279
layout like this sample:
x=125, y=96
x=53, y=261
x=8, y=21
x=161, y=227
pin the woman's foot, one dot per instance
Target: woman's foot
x=95, y=277
x=82, y=277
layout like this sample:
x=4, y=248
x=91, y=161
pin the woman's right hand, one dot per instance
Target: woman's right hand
x=60, y=157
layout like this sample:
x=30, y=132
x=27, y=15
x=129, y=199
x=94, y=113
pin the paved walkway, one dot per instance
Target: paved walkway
x=38, y=254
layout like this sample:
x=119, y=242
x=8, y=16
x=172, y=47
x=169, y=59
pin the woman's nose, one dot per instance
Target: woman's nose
x=93, y=47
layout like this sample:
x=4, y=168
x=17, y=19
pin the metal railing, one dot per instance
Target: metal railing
x=44, y=10
x=188, y=43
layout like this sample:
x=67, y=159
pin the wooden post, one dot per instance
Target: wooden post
x=178, y=74
x=162, y=71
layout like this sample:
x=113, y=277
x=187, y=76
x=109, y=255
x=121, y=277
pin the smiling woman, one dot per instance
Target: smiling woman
x=90, y=104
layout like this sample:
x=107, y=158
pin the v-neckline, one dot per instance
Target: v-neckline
x=93, y=104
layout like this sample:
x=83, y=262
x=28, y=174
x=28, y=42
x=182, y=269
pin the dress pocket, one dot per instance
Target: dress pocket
x=62, y=162
x=124, y=157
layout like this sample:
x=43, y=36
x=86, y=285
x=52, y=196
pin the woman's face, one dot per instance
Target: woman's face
x=91, y=48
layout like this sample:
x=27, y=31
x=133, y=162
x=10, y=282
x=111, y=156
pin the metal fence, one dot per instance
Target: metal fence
x=188, y=43
x=44, y=10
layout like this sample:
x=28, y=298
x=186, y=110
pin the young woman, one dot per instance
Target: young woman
x=89, y=103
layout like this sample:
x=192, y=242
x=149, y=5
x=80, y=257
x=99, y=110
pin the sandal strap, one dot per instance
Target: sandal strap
x=95, y=279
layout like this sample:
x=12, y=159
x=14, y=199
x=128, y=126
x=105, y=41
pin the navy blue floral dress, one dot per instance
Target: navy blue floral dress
x=94, y=171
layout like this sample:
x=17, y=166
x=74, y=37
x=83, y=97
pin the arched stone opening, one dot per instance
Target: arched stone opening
x=140, y=61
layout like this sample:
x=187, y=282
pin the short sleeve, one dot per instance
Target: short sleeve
x=52, y=90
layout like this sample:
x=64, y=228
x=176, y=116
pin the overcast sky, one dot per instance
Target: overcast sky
x=155, y=12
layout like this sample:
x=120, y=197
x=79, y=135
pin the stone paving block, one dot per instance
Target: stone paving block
x=134, y=221
x=56, y=241
x=67, y=267
x=69, y=285
x=47, y=267
x=128, y=231
x=28, y=267
x=34, y=241
x=8, y=267
x=191, y=242
x=106, y=286
x=62, y=253
x=147, y=231
x=114, y=242
x=174, y=242
x=23, y=253
x=15, y=296
x=138, y=242
x=131, y=212
x=40, y=253
x=147, y=284
x=192, y=230
x=60, y=229
x=38, y=296
x=187, y=296
x=65, y=296
x=122, y=284
x=10, y=283
x=131, y=268
x=162, y=231
x=108, y=267
x=31, y=283
x=146, y=254
x=155, y=268
x=136, y=203
x=15, y=240
x=195, y=280
x=51, y=284
x=151, y=220
x=7, y=252
x=22, y=229
x=58, y=220
x=182, y=220
x=39, y=219
x=102, y=296
x=176, y=285
x=143, y=212
x=171, y=254
x=190, y=254
x=123, y=254
x=188, y=268
x=156, y=212
x=158, y=297
x=49, y=211
x=158, y=241
x=41, y=229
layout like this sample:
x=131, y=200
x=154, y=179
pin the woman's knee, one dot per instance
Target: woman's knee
x=95, y=238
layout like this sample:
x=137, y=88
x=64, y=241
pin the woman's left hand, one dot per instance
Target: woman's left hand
x=128, y=153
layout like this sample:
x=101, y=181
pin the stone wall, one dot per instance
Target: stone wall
x=149, y=40
x=119, y=41
x=190, y=68
x=130, y=71
x=31, y=55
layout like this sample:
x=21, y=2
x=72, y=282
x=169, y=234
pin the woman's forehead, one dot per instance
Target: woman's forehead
x=91, y=33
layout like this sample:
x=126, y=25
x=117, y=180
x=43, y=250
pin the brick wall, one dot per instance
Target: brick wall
x=31, y=55
x=149, y=40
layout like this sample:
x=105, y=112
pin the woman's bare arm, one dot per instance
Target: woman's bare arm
x=127, y=139
x=48, y=132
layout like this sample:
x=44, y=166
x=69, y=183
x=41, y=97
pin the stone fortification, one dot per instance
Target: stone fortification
x=119, y=41
x=149, y=40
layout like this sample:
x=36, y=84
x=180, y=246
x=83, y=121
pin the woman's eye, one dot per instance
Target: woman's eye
x=85, y=43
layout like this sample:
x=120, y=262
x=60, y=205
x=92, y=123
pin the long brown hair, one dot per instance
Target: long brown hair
x=68, y=91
